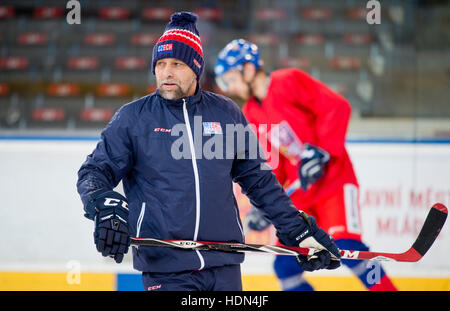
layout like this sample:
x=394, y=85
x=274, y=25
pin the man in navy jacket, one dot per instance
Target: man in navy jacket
x=177, y=152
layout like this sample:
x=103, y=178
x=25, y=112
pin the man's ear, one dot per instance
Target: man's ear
x=249, y=72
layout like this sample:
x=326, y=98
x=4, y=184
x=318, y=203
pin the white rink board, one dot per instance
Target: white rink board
x=43, y=225
x=398, y=185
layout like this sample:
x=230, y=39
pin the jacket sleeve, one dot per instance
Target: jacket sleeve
x=279, y=169
x=111, y=159
x=261, y=186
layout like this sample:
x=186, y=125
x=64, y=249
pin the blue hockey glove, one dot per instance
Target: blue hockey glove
x=109, y=210
x=312, y=166
x=310, y=235
x=256, y=220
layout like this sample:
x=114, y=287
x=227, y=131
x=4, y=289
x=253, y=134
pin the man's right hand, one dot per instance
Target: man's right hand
x=109, y=210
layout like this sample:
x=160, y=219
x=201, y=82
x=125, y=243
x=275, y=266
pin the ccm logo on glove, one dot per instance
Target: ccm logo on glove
x=115, y=202
x=109, y=210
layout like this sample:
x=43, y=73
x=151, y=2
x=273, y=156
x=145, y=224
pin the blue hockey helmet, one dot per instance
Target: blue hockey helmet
x=233, y=56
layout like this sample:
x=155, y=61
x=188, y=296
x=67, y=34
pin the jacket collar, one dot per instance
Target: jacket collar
x=190, y=100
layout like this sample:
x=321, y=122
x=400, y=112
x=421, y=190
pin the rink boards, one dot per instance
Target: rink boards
x=400, y=180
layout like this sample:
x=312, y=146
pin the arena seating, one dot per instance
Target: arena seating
x=53, y=74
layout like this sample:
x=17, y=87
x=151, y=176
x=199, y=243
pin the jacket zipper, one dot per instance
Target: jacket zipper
x=140, y=218
x=197, y=182
x=239, y=225
x=139, y=223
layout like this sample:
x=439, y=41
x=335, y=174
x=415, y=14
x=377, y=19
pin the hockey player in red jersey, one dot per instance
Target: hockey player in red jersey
x=306, y=124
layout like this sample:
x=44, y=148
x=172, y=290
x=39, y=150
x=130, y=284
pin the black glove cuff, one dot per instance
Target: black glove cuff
x=96, y=205
x=307, y=228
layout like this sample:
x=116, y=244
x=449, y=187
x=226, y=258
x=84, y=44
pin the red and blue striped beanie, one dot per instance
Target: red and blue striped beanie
x=181, y=40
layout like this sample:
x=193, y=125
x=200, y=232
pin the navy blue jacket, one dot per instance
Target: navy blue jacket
x=149, y=144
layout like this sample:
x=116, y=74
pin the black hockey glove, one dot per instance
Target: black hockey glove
x=312, y=166
x=109, y=210
x=310, y=235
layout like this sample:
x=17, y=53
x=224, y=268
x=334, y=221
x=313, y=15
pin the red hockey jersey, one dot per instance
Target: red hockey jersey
x=303, y=110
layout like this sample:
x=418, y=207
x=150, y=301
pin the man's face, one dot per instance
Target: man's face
x=235, y=84
x=174, y=79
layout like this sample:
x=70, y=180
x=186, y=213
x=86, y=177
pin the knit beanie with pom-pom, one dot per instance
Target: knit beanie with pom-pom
x=181, y=40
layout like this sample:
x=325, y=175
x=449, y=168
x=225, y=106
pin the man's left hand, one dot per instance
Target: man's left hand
x=310, y=235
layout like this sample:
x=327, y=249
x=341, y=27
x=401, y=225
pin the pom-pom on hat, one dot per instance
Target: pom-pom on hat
x=181, y=40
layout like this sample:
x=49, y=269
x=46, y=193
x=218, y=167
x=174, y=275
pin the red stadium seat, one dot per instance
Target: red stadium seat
x=4, y=89
x=131, y=62
x=209, y=13
x=113, y=89
x=100, y=39
x=161, y=14
x=63, y=89
x=83, y=63
x=113, y=13
x=13, y=63
x=264, y=39
x=357, y=38
x=310, y=39
x=48, y=114
x=48, y=12
x=298, y=62
x=96, y=114
x=358, y=13
x=144, y=39
x=345, y=63
x=270, y=14
x=6, y=11
x=316, y=13
x=32, y=38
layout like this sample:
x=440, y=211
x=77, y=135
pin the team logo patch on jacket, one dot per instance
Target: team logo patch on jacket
x=212, y=128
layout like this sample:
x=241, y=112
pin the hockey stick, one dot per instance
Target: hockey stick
x=293, y=187
x=430, y=230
